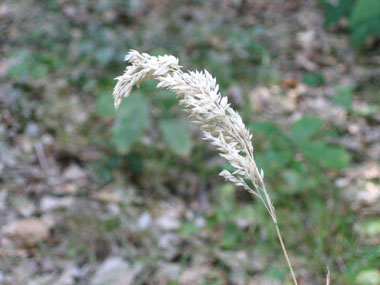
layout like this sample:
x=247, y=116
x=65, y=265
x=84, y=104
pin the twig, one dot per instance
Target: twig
x=41, y=156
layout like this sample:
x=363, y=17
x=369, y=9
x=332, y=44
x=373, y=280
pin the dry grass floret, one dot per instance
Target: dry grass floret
x=220, y=124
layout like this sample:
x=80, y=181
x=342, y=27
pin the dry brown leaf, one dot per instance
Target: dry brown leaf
x=27, y=232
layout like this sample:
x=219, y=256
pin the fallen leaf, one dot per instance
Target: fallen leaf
x=53, y=203
x=113, y=271
x=289, y=83
x=74, y=172
x=27, y=232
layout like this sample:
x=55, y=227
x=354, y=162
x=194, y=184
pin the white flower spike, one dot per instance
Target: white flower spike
x=220, y=124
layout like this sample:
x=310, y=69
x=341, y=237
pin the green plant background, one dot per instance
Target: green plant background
x=150, y=145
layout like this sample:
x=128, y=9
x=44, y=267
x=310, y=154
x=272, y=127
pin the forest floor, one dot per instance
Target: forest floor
x=78, y=208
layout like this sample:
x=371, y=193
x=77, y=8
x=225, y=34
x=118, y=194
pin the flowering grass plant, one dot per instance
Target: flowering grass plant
x=221, y=125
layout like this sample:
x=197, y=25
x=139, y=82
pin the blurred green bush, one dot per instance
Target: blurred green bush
x=363, y=17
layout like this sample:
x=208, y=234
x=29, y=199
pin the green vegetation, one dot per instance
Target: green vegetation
x=314, y=131
x=363, y=17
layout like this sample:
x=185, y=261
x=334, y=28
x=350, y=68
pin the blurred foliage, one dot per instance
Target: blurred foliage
x=296, y=154
x=176, y=136
x=131, y=122
x=149, y=142
x=133, y=119
x=363, y=16
x=343, y=96
x=365, y=20
x=313, y=79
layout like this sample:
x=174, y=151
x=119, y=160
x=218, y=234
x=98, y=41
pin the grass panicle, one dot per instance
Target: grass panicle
x=221, y=125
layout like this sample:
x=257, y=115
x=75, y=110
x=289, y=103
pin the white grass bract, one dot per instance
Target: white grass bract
x=221, y=125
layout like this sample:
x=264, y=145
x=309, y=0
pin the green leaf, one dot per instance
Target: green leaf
x=102, y=169
x=104, y=104
x=273, y=160
x=371, y=28
x=176, y=136
x=294, y=181
x=245, y=212
x=343, y=96
x=135, y=162
x=276, y=273
x=226, y=197
x=132, y=120
x=335, y=12
x=189, y=229
x=359, y=34
x=305, y=128
x=364, y=11
x=313, y=79
x=365, y=20
x=267, y=128
x=165, y=100
x=232, y=236
x=335, y=158
x=331, y=157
